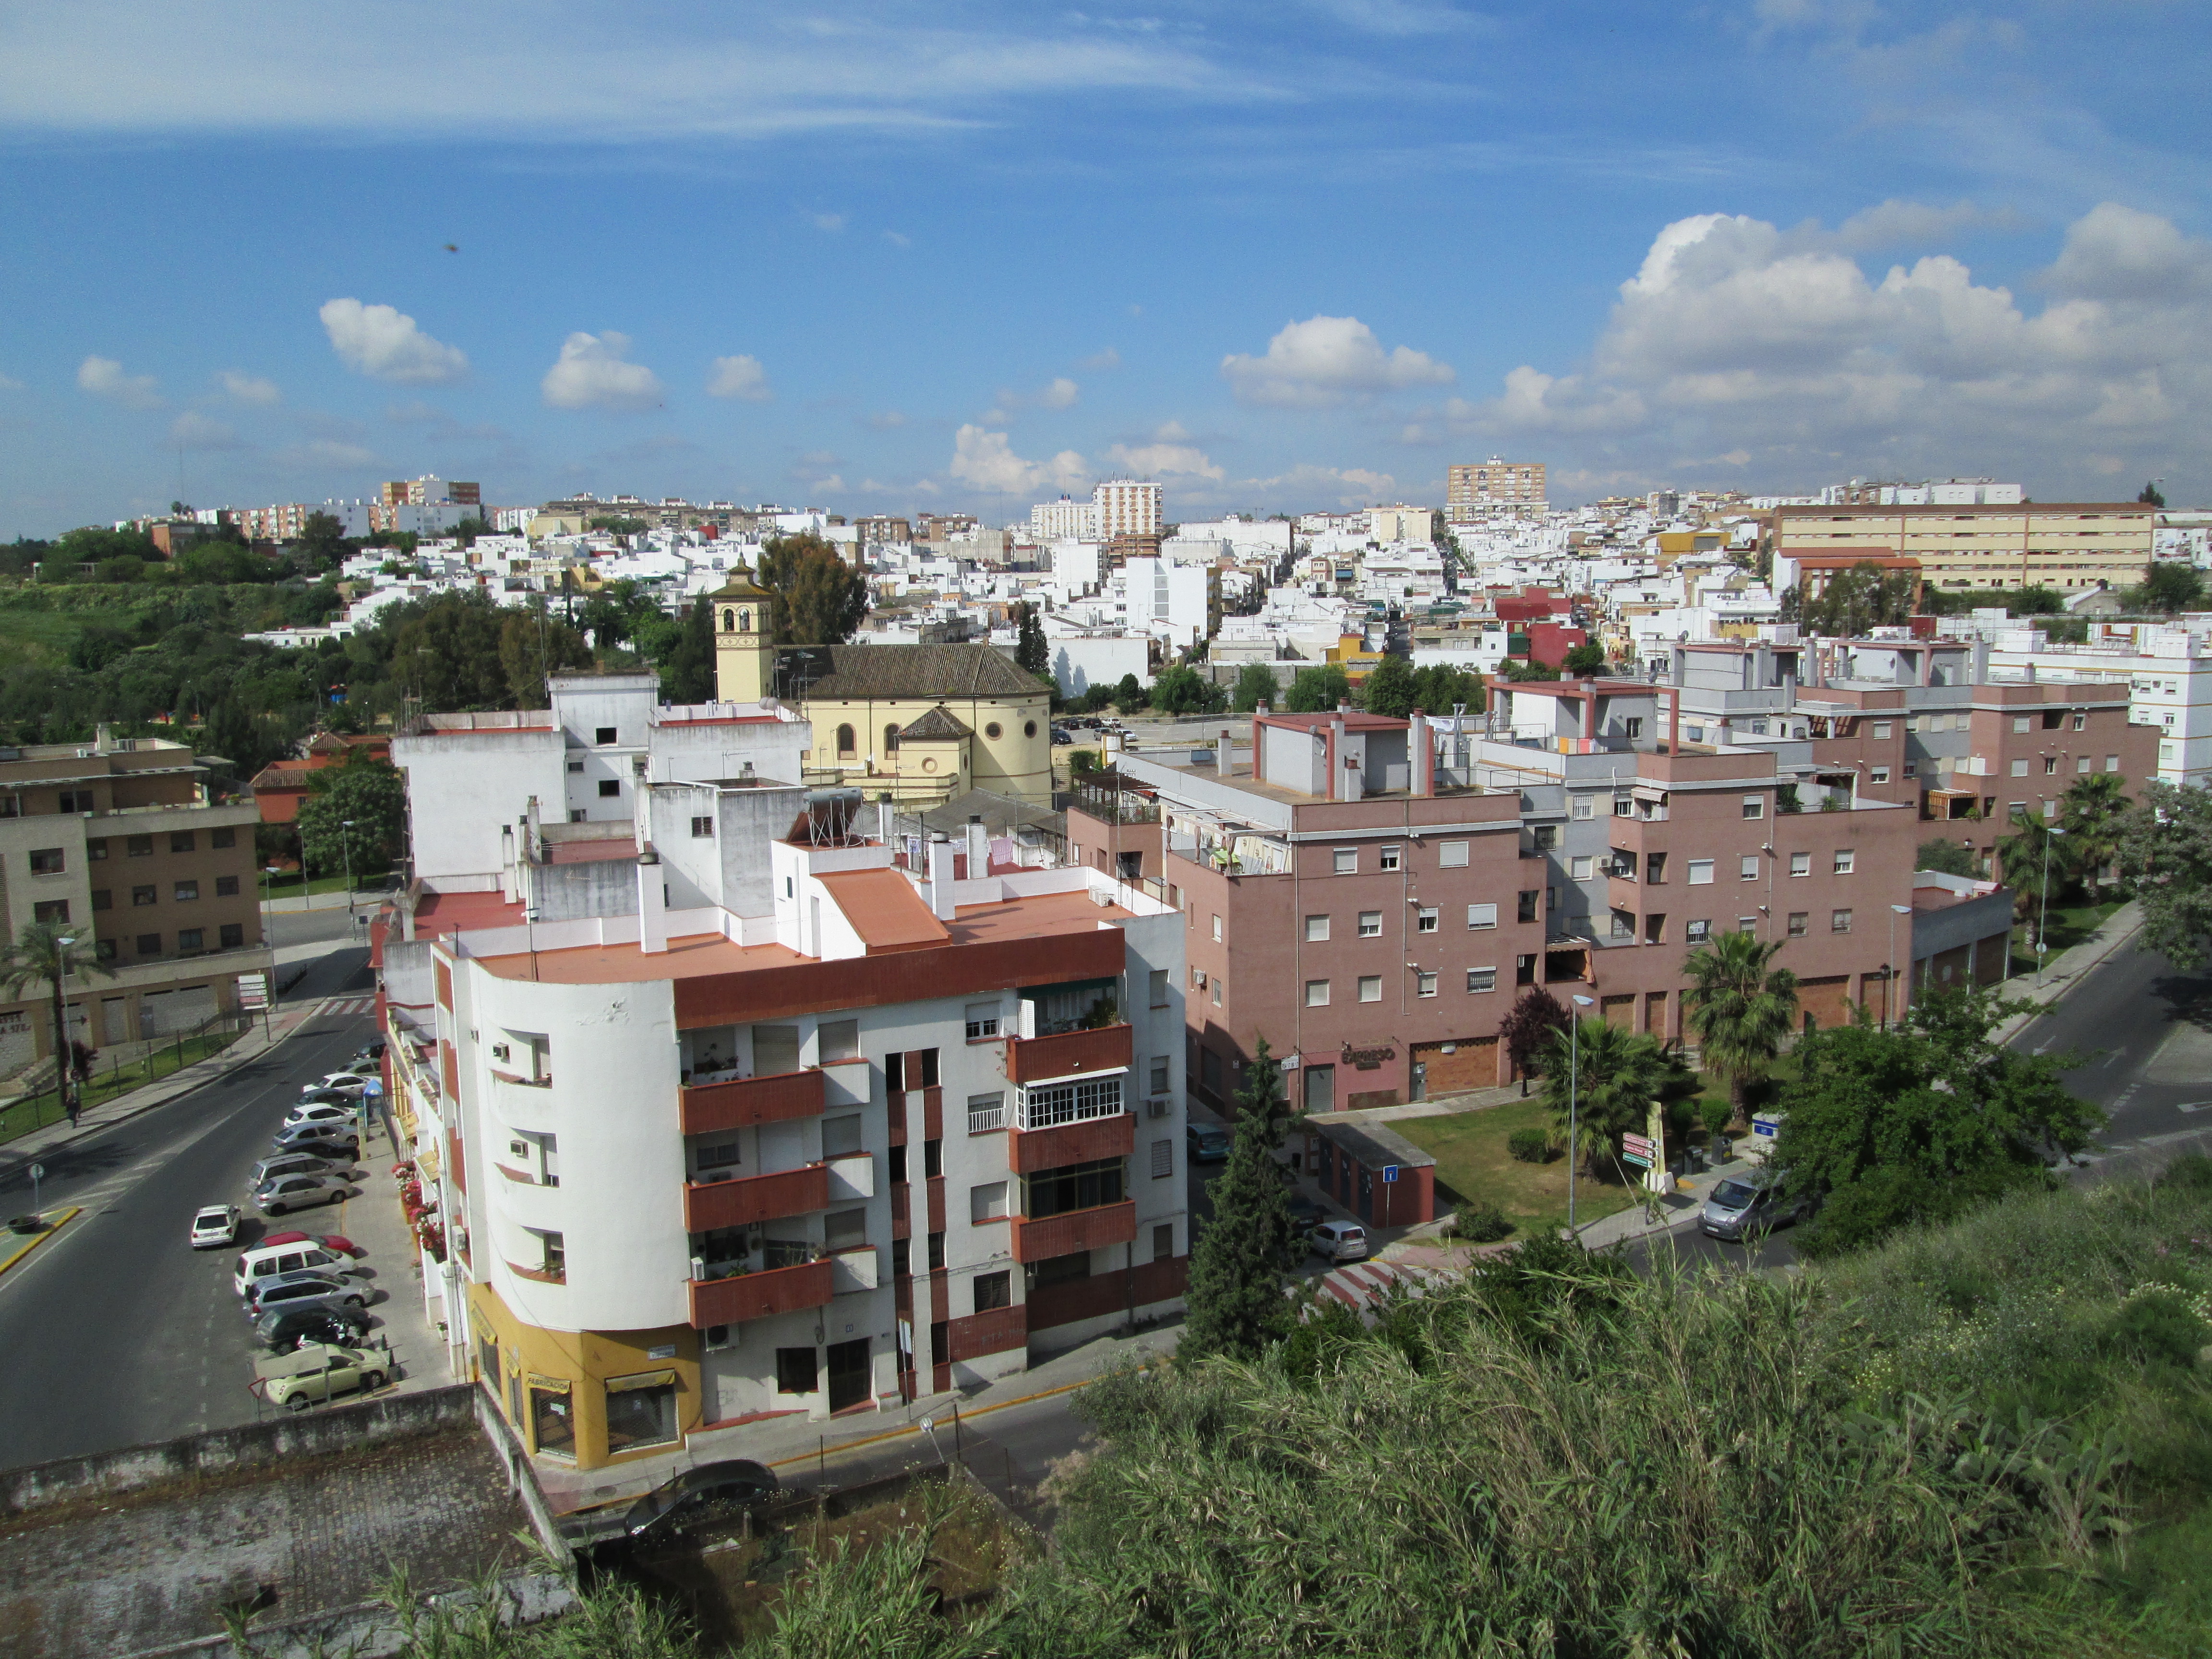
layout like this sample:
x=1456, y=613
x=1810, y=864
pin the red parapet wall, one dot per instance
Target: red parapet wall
x=710, y=1205
x=708, y=1108
x=991, y=1331
x=1031, y=1150
x=1078, y=1229
x=1103, y=1294
x=1068, y=1053
x=757, y=1296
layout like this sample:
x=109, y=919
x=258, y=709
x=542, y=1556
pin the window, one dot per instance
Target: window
x=1316, y=929
x=1655, y=867
x=1424, y=984
x=718, y=1155
x=1217, y=930
x=1877, y=775
x=1371, y=987
x=552, y=1423
x=1746, y=867
x=1840, y=922
x=987, y=1112
x=1655, y=928
x=103, y=949
x=1219, y=986
x=222, y=837
x=794, y=1370
x=1163, y=1158
x=55, y=910
x=1425, y=920
x=2112, y=762
x=994, y=731
x=1623, y=806
x=1584, y=806
x=1370, y=924
x=1701, y=873
x=181, y=840
x=1073, y=1187
x=1797, y=919
x=993, y=1291
x=1623, y=924
x=76, y=800
x=1028, y=728
x=2049, y=764
x=1525, y=909
x=1546, y=836
x=1633, y=727
x=2051, y=717
x=1159, y=988
x=1157, y=1084
x=1388, y=857
x=610, y=788
x=1481, y=917
x=96, y=849
x=102, y=899
x=937, y=1253
x=2081, y=763
x=186, y=891
x=188, y=938
x=1910, y=768
x=232, y=935
x=2019, y=722
x=986, y=1203
x=139, y=847
x=933, y=1151
x=702, y=829
x=1747, y=924
x=1696, y=932
x=890, y=738
x=1345, y=861
x=1163, y=1242
x=1801, y=864
x=149, y=944
x=1881, y=731
x=1755, y=807
x=1524, y=970
x=2081, y=720
x=576, y=768
x=982, y=1021
x=1846, y=858
x=47, y=861
x=225, y=886
x=603, y=735
x=1452, y=856
x=1582, y=867
x=146, y=895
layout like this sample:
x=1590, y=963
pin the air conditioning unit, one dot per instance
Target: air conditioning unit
x=1157, y=1106
x=500, y=1051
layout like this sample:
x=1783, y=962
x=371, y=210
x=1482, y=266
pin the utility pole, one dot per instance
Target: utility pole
x=1574, y=1057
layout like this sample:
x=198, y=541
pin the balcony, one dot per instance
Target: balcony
x=1071, y=1143
x=711, y=1205
x=757, y=1296
x=1078, y=1229
x=708, y=1108
x=1071, y=1054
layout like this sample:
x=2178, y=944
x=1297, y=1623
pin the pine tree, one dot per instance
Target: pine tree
x=687, y=674
x=1235, y=1298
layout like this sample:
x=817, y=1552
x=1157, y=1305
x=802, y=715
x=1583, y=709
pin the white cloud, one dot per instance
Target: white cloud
x=320, y=452
x=103, y=377
x=1109, y=358
x=986, y=461
x=1326, y=360
x=1735, y=338
x=829, y=221
x=385, y=343
x=193, y=430
x=897, y=240
x=887, y=420
x=739, y=377
x=249, y=388
x=9, y=383
x=1354, y=486
x=1059, y=393
x=1165, y=460
x=592, y=374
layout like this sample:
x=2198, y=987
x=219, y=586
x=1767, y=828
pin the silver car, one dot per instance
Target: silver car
x=1742, y=1209
x=284, y=1163
x=291, y=1293
x=301, y=1192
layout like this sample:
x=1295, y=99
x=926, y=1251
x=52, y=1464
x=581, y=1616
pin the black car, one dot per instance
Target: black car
x=285, y=1329
x=710, y=1492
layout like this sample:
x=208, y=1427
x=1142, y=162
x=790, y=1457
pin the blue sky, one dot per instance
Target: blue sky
x=963, y=255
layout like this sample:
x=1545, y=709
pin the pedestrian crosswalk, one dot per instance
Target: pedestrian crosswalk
x=350, y=1005
x=1361, y=1284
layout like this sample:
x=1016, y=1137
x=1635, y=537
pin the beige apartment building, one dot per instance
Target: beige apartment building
x=1495, y=488
x=119, y=839
x=2067, y=546
x=1401, y=524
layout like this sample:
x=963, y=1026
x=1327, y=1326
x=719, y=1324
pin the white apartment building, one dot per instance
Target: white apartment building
x=1065, y=519
x=1180, y=604
x=2168, y=671
x=1932, y=492
x=1401, y=524
x=1127, y=506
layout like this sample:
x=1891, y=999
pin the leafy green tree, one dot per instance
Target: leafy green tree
x=2166, y=857
x=2151, y=494
x=1255, y=684
x=445, y=650
x=1613, y=1076
x=1864, y=596
x=1441, y=687
x=1236, y=1298
x=2170, y=587
x=1514, y=668
x=1391, y=688
x=1318, y=690
x=322, y=542
x=1128, y=696
x=1584, y=660
x=1741, y=1006
x=1181, y=690
x=534, y=645
x=50, y=953
x=1948, y=858
x=1031, y=650
x=687, y=672
x=1527, y=1031
x=1917, y=1123
x=815, y=597
x=372, y=795
x=616, y=524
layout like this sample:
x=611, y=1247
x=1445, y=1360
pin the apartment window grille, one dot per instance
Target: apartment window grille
x=1840, y=922
x=1696, y=932
x=1479, y=979
x=702, y=829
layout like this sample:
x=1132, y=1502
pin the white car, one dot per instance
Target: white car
x=214, y=1226
x=1339, y=1241
x=344, y=1083
x=325, y=1112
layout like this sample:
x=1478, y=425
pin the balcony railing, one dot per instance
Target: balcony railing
x=738, y=1105
x=709, y=1206
x=757, y=1296
x=1050, y=1236
x=1068, y=1053
x=1082, y=1142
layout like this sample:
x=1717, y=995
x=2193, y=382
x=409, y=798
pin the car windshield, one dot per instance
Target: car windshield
x=1733, y=1194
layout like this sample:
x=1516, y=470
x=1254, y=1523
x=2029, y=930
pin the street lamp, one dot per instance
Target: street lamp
x=64, y=1056
x=345, y=847
x=1889, y=968
x=1574, y=1140
x=2043, y=911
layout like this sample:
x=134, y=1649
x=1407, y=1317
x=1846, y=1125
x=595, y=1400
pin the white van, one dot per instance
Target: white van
x=286, y=1259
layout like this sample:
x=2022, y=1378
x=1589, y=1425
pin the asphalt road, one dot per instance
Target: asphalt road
x=284, y=927
x=116, y=1333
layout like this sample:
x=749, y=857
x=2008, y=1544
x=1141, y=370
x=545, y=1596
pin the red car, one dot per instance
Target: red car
x=337, y=1243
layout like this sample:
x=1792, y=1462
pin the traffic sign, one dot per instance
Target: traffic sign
x=1637, y=1144
x=1389, y=1172
x=38, y=1172
x=1637, y=1158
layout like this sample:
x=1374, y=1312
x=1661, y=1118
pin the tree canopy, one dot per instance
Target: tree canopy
x=2165, y=856
x=1948, y=858
x=1318, y=690
x=355, y=813
x=2170, y=587
x=1391, y=687
x=1235, y=1299
x=1255, y=684
x=1586, y=658
x=815, y=597
x=1740, y=1006
x=1611, y=1078
x=1031, y=651
x=1181, y=690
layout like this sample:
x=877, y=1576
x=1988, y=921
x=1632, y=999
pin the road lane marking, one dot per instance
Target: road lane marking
x=2195, y=1106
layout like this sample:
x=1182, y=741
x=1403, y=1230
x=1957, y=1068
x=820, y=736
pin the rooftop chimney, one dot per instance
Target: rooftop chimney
x=652, y=904
x=940, y=877
x=979, y=848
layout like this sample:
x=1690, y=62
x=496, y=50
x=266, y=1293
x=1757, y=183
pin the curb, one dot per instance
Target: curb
x=61, y=1218
x=905, y=1429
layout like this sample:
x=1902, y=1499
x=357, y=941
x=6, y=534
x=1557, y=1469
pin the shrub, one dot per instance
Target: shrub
x=1714, y=1115
x=1529, y=1145
x=2191, y=1173
x=1481, y=1224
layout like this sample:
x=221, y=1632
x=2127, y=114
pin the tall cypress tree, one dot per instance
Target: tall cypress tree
x=1235, y=1299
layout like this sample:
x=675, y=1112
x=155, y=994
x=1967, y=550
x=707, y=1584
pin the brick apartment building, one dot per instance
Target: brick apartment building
x=117, y=838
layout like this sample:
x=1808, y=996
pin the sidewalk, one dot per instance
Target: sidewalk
x=2067, y=969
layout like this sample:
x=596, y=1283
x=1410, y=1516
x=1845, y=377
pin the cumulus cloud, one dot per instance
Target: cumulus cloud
x=1353, y=486
x=593, y=373
x=193, y=430
x=1736, y=338
x=1109, y=358
x=1324, y=361
x=249, y=388
x=104, y=376
x=739, y=377
x=1165, y=460
x=384, y=344
x=829, y=221
x=1059, y=393
x=986, y=461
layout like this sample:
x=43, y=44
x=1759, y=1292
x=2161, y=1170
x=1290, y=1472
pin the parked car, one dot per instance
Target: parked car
x=284, y=1163
x=1339, y=1241
x=336, y=1243
x=1743, y=1209
x=1061, y=734
x=275, y=1261
x=334, y=1142
x=348, y=1083
x=310, y=1374
x=325, y=1097
x=301, y=1192
x=287, y=1327
x=1306, y=1214
x=217, y=1224
x=709, y=1492
x=329, y=1111
x=364, y=1063
x=1208, y=1144
x=319, y=1291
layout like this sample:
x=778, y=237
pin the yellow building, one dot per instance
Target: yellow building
x=2069, y=546
x=745, y=652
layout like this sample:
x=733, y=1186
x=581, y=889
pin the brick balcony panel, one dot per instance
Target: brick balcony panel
x=1031, y=1150
x=757, y=1296
x=993, y=1331
x=708, y=1108
x=710, y=1205
x=1068, y=1055
x=1077, y=1230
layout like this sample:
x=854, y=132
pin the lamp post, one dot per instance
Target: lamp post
x=345, y=847
x=1889, y=968
x=64, y=1052
x=2043, y=911
x=1574, y=1083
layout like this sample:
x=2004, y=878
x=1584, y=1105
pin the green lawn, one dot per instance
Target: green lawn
x=1472, y=1166
x=2069, y=925
x=288, y=886
x=19, y=1117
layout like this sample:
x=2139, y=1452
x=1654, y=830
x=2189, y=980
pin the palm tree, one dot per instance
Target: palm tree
x=2023, y=857
x=1741, y=1007
x=1614, y=1076
x=45, y=950
x=2092, y=813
